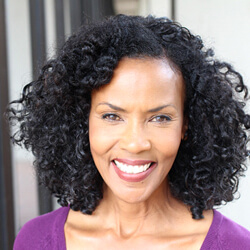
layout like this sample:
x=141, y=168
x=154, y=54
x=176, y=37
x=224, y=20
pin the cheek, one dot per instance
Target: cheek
x=100, y=139
x=168, y=143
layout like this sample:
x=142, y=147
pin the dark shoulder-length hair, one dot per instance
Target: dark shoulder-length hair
x=53, y=111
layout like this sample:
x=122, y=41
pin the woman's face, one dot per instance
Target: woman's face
x=136, y=125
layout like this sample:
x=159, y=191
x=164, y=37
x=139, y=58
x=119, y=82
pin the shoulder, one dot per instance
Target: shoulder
x=42, y=232
x=231, y=233
x=226, y=234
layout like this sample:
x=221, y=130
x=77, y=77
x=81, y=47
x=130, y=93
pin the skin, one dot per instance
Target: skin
x=137, y=116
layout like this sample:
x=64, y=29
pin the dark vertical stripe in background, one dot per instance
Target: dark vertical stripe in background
x=75, y=14
x=38, y=35
x=6, y=189
x=173, y=10
x=38, y=46
x=60, y=27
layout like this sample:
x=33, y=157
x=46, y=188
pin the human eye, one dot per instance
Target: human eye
x=161, y=118
x=111, y=117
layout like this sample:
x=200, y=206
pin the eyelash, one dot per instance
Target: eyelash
x=165, y=117
x=115, y=117
x=109, y=115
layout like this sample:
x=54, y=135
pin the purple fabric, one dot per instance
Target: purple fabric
x=46, y=232
x=224, y=234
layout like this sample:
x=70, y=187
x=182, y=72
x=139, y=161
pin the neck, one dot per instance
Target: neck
x=128, y=219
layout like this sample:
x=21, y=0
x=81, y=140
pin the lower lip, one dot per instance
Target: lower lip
x=134, y=177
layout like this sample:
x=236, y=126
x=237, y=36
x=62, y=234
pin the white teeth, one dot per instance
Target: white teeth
x=132, y=169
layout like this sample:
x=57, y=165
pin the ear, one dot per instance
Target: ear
x=184, y=134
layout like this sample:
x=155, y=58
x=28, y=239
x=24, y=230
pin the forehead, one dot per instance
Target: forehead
x=143, y=80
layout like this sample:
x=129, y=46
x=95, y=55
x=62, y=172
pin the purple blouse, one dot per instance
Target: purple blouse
x=46, y=232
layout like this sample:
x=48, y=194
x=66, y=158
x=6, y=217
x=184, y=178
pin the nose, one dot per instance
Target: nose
x=135, y=138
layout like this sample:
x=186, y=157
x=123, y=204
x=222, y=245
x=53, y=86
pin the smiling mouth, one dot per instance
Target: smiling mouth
x=132, y=169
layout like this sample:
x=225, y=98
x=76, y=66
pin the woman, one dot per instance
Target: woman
x=139, y=132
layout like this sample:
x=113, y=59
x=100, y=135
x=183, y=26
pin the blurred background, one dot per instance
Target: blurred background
x=32, y=30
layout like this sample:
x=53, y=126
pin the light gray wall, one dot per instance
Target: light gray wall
x=224, y=26
x=20, y=72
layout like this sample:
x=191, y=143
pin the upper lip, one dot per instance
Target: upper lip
x=133, y=162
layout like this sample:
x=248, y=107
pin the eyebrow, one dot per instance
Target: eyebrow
x=123, y=110
x=160, y=108
x=112, y=106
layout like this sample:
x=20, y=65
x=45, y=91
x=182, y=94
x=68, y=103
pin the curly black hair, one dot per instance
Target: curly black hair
x=53, y=111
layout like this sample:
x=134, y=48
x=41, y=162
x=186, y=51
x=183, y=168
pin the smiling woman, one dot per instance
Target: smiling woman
x=136, y=124
x=140, y=133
